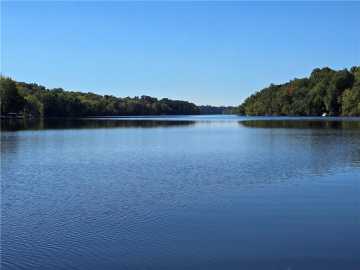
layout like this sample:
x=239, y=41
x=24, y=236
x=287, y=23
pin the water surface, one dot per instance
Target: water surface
x=182, y=192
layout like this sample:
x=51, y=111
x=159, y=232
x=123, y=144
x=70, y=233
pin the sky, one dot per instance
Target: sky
x=214, y=53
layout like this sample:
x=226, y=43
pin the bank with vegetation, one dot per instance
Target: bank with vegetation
x=325, y=92
x=33, y=100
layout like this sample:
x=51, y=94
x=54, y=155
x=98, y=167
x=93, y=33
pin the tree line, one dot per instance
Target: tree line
x=326, y=91
x=37, y=101
x=208, y=109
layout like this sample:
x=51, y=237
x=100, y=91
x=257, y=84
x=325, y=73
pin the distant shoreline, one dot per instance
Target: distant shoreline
x=182, y=116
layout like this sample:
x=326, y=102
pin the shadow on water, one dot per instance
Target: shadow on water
x=302, y=124
x=309, y=141
x=42, y=124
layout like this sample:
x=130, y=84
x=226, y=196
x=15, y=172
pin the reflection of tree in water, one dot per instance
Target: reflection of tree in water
x=39, y=124
x=309, y=147
x=263, y=152
x=302, y=124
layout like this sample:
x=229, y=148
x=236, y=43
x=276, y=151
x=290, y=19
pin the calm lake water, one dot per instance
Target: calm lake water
x=191, y=192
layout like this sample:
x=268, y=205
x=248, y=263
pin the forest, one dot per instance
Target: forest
x=33, y=100
x=326, y=91
x=208, y=109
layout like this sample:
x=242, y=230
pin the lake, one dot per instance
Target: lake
x=181, y=192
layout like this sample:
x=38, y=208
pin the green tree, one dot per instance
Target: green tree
x=11, y=100
x=33, y=107
x=351, y=102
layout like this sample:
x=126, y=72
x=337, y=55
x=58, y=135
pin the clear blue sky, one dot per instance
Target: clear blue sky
x=206, y=52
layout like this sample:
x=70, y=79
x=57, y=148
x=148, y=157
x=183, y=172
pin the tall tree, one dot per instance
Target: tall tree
x=11, y=100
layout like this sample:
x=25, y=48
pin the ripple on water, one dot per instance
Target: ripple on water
x=201, y=195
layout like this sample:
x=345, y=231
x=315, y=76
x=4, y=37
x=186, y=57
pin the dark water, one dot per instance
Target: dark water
x=218, y=192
